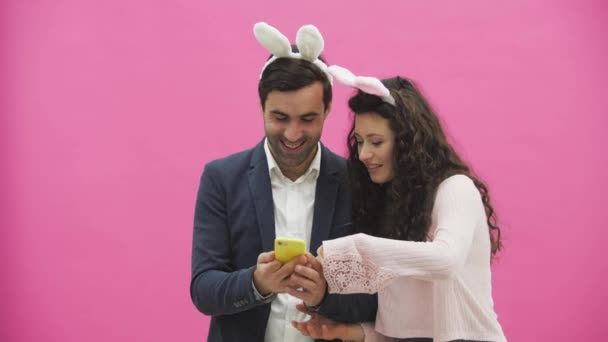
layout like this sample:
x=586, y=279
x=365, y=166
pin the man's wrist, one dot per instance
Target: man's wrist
x=257, y=286
x=259, y=292
x=264, y=298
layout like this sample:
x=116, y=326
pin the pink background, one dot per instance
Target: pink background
x=110, y=109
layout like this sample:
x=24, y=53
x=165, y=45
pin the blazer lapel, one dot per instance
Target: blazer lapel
x=325, y=199
x=261, y=191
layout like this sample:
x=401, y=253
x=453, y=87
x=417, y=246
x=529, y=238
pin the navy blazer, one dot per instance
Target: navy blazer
x=234, y=223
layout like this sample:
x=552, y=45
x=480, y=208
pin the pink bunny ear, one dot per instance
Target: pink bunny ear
x=370, y=85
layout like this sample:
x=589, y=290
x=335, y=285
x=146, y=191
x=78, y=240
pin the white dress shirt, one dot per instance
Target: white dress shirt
x=293, y=213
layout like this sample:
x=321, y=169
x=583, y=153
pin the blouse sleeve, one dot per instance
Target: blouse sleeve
x=371, y=335
x=365, y=264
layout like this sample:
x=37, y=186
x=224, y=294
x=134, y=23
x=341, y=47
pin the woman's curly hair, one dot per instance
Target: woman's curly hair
x=423, y=158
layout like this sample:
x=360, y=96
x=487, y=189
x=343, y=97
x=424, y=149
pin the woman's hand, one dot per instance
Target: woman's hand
x=320, y=252
x=320, y=327
x=307, y=282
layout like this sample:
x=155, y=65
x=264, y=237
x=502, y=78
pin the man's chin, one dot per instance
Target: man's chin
x=287, y=160
x=288, y=163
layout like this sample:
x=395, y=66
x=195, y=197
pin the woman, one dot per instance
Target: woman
x=427, y=228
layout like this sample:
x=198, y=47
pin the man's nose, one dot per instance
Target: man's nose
x=293, y=132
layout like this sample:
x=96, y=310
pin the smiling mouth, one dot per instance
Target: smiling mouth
x=374, y=167
x=292, y=146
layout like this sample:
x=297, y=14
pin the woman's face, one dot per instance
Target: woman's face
x=375, y=143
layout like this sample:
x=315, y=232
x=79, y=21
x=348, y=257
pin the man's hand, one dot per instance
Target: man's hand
x=307, y=283
x=272, y=276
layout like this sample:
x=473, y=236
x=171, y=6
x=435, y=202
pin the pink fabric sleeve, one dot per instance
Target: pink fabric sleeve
x=371, y=335
x=365, y=264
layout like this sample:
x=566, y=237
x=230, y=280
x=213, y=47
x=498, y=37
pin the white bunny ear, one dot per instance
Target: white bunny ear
x=273, y=40
x=371, y=85
x=343, y=75
x=309, y=42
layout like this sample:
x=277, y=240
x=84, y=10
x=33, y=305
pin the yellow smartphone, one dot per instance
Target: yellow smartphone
x=286, y=249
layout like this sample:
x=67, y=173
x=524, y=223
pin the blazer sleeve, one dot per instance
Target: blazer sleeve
x=215, y=287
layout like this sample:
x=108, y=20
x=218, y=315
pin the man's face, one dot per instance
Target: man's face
x=293, y=121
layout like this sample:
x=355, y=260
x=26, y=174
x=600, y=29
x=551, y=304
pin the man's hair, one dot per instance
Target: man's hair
x=287, y=74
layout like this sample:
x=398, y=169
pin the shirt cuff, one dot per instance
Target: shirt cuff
x=261, y=298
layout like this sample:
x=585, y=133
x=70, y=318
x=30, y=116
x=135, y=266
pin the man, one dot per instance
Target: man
x=288, y=185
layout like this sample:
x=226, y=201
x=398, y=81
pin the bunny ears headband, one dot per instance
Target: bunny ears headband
x=370, y=85
x=309, y=42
